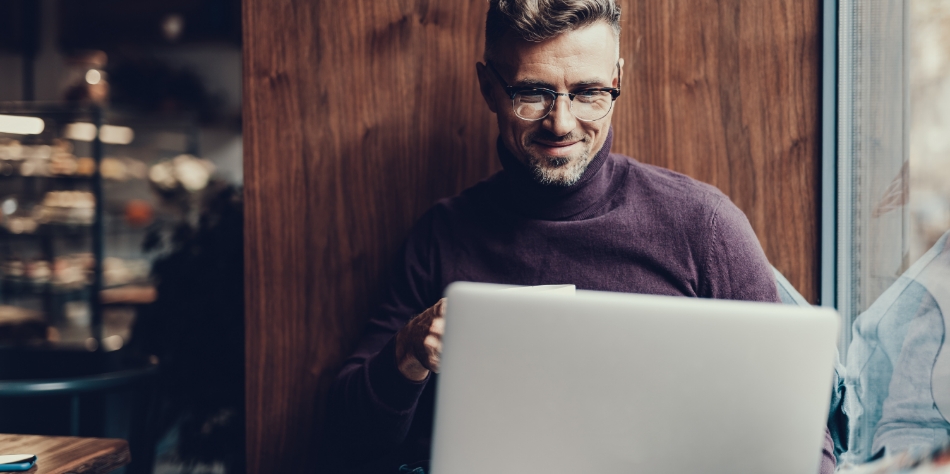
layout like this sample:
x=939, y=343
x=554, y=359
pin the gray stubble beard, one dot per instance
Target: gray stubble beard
x=559, y=171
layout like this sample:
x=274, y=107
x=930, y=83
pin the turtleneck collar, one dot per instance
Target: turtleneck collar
x=550, y=202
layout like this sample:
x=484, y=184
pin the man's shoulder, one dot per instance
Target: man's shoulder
x=478, y=196
x=476, y=200
x=667, y=187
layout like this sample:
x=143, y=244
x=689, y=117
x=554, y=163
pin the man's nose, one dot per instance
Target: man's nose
x=561, y=121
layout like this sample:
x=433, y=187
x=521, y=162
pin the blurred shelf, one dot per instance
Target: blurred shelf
x=136, y=231
x=51, y=229
x=74, y=178
x=27, y=287
x=24, y=289
x=128, y=295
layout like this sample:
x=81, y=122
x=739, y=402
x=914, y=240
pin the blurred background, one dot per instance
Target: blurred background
x=121, y=251
x=929, y=124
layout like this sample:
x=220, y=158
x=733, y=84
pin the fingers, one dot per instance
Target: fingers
x=437, y=327
x=421, y=340
x=433, y=345
x=429, y=352
x=433, y=342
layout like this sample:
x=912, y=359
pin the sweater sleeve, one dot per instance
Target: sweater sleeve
x=735, y=267
x=371, y=405
x=828, y=461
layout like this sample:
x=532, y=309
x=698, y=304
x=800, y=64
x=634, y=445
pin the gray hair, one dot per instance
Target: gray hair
x=539, y=20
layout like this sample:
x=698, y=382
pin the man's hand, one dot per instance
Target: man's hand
x=419, y=343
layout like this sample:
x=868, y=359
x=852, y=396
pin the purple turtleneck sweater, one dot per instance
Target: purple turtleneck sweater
x=624, y=226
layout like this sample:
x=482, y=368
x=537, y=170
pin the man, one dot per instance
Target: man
x=563, y=210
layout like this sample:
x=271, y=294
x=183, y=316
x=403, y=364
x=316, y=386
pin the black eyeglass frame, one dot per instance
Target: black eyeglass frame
x=512, y=91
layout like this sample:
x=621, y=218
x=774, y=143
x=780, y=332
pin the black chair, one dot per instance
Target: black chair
x=136, y=384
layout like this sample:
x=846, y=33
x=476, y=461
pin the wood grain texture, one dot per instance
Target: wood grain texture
x=728, y=92
x=69, y=455
x=358, y=115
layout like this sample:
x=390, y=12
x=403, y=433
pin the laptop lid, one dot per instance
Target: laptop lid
x=607, y=382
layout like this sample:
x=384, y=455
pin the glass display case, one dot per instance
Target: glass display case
x=88, y=196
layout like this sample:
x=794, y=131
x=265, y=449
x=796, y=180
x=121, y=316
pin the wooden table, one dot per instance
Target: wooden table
x=68, y=455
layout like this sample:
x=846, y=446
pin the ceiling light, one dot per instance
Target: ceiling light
x=21, y=125
x=93, y=76
x=116, y=135
x=81, y=131
x=111, y=134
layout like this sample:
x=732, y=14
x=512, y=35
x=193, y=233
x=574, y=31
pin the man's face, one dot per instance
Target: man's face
x=559, y=147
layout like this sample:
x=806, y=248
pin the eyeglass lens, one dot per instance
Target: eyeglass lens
x=537, y=104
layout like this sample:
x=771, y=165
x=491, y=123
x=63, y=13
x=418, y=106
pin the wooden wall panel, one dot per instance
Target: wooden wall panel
x=728, y=92
x=358, y=115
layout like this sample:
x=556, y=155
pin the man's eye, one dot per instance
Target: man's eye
x=532, y=96
x=590, y=96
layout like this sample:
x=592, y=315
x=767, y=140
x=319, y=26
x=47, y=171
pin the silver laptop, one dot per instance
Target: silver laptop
x=595, y=382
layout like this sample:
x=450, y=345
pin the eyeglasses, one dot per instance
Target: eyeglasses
x=535, y=103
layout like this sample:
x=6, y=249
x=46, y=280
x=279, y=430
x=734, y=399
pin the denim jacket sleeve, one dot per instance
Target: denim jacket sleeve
x=888, y=397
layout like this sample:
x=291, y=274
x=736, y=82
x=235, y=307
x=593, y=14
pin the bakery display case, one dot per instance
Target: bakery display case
x=88, y=196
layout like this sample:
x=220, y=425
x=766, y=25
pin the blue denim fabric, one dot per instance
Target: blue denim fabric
x=837, y=421
x=888, y=396
x=909, y=418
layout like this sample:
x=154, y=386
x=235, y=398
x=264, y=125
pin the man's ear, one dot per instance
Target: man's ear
x=620, y=73
x=486, y=85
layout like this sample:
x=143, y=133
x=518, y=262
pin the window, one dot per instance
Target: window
x=893, y=216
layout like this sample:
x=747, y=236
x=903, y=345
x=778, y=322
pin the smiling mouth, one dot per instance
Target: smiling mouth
x=555, y=144
x=559, y=149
